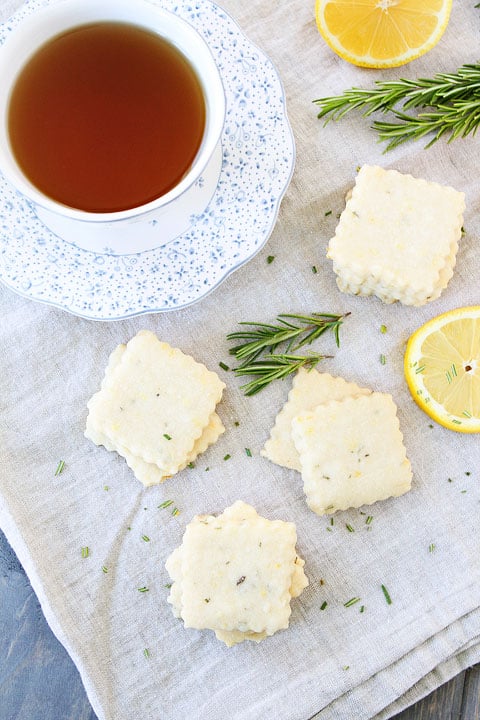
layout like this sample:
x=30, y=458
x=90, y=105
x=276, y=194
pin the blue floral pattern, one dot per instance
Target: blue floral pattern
x=257, y=164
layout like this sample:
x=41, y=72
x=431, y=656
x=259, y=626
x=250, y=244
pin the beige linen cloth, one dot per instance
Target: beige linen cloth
x=335, y=663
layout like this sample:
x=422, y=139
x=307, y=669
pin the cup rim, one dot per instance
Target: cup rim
x=111, y=10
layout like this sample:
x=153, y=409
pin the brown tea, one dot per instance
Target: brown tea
x=106, y=117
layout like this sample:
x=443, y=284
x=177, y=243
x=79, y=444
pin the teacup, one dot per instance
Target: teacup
x=155, y=222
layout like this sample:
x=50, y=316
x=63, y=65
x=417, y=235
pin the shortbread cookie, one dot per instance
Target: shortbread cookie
x=156, y=408
x=309, y=389
x=352, y=453
x=149, y=473
x=397, y=237
x=235, y=574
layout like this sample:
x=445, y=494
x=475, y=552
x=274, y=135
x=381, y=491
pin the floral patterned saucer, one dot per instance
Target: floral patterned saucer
x=258, y=156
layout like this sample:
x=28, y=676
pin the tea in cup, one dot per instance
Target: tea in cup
x=112, y=112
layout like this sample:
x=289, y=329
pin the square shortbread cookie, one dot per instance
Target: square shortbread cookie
x=235, y=574
x=309, y=389
x=397, y=237
x=352, y=453
x=154, y=406
x=149, y=473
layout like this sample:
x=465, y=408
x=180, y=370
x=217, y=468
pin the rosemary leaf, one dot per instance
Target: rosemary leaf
x=60, y=467
x=166, y=504
x=351, y=602
x=387, y=595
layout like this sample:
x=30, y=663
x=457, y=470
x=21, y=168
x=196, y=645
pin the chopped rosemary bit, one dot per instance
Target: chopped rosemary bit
x=369, y=520
x=323, y=605
x=85, y=551
x=223, y=366
x=143, y=589
x=191, y=465
x=351, y=602
x=270, y=259
x=166, y=504
x=248, y=452
x=146, y=652
x=349, y=527
x=387, y=595
x=145, y=538
x=60, y=466
x=362, y=609
x=259, y=355
x=314, y=269
x=104, y=569
x=166, y=436
x=175, y=512
x=383, y=359
x=383, y=329
x=329, y=212
x=227, y=456
x=431, y=547
x=106, y=488
x=168, y=585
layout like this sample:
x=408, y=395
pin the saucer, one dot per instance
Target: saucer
x=257, y=161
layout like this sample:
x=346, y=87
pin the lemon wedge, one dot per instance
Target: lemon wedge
x=442, y=368
x=382, y=33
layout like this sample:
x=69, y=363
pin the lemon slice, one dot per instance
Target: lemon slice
x=382, y=33
x=442, y=368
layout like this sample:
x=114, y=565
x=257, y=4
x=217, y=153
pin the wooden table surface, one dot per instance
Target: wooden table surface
x=38, y=680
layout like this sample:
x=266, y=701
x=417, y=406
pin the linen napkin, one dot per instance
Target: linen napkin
x=136, y=660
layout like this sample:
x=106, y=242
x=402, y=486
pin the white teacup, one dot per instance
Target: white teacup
x=154, y=223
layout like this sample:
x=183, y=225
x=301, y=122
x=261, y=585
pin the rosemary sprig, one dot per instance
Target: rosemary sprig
x=450, y=104
x=275, y=367
x=263, y=337
x=258, y=354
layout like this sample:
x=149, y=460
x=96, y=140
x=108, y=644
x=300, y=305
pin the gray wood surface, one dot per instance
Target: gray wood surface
x=38, y=680
x=458, y=699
